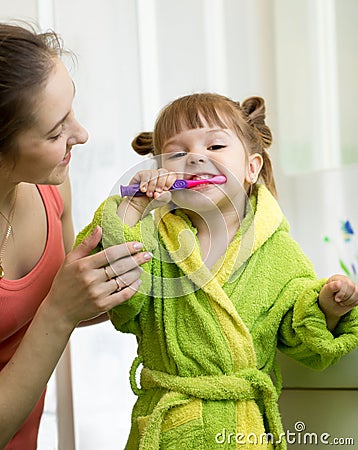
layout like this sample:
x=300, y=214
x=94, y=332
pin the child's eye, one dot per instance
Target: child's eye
x=216, y=147
x=177, y=155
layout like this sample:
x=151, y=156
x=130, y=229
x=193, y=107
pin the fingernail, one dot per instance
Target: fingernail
x=137, y=245
x=147, y=255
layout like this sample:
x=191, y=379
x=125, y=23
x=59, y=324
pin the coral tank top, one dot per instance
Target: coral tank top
x=19, y=300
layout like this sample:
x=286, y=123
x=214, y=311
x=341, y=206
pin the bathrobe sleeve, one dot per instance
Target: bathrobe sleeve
x=303, y=332
x=114, y=231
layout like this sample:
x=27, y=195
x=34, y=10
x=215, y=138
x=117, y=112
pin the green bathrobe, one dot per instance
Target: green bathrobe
x=207, y=339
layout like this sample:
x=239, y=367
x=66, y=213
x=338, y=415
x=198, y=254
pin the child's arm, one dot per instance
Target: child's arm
x=155, y=184
x=338, y=296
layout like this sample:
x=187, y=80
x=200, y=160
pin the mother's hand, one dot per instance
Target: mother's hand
x=88, y=285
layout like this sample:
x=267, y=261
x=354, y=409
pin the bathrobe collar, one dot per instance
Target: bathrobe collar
x=263, y=217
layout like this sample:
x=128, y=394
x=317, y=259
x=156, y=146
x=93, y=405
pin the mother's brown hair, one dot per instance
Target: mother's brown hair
x=26, y=60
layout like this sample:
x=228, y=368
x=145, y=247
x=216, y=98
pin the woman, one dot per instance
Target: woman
x=43, y=293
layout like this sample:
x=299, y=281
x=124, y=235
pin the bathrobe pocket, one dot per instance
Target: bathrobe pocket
x=182, y=427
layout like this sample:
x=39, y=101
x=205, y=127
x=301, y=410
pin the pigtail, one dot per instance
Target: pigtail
x=255, y=111
x=143, y=143
x=266, y=174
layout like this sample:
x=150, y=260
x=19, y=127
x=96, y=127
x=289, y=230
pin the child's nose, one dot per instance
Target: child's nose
x=196, y=158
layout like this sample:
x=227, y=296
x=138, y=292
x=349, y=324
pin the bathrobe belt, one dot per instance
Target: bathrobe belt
x=245, y=384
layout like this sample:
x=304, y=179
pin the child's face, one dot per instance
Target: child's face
x=203, y=153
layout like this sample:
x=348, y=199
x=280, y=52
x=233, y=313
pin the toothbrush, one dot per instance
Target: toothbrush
x=133, y=189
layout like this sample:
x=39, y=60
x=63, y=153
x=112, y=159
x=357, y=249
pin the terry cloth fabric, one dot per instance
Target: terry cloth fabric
x=207, y=339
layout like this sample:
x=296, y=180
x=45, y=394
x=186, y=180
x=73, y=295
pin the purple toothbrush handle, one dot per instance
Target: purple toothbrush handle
x=179, y=184
x=133, y=190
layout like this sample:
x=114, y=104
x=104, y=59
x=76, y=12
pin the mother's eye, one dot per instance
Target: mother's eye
x=55, y=138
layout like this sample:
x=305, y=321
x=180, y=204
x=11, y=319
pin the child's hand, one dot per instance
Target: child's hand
x=155, y=184
x=338, y=296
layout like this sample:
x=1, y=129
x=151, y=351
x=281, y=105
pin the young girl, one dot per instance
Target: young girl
x=226, y=286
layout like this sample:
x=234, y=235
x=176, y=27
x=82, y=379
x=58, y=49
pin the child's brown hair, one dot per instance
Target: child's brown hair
x=208, y=109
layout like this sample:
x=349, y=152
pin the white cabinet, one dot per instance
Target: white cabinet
x=321, y=418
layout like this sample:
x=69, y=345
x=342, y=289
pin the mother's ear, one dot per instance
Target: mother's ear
x=253, y=169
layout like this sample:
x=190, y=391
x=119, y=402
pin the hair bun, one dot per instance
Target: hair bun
x=143, y=143
x=254, y=108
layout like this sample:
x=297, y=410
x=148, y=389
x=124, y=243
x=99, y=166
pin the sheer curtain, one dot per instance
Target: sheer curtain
x=316, y=72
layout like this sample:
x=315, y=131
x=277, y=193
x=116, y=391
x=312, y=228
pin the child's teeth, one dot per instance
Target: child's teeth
x=203, y=177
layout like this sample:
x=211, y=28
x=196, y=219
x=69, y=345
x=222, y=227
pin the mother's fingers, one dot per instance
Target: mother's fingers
x=123, y=265
x=113, y=253
x=86, y=246
x=104, y=295
x=121, y=282
x=107, y=273
x=123, y=295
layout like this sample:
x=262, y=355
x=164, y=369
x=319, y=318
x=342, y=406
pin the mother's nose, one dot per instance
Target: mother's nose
x=81, y=134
